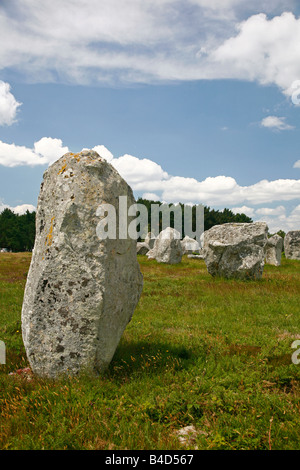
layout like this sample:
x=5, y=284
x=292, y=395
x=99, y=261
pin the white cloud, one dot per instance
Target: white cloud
x=276, y=211
x=45, y=151
x=161, y=40
x=14, y=155
x=264, y=50
x=20, y=210
x=276, y=218
x=275, y=122
x=50, y=149
x=151, y=197
x=23, y=208
x=139, y=171
x=148, y=177
x=268, y=191
x=293, y=220
x=104, y=152
x=145, y=175
x=249, y=211
x=8, y=105
x=297, y=164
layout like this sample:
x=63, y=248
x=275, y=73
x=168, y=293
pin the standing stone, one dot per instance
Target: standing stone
x=189, y=246
x=81, y=290
x=150, y=240
x=236, y=250
x=167, y=247
x=292, y=245
x=273, y=250
x=142, y=248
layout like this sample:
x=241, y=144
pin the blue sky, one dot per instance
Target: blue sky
x=194, y=101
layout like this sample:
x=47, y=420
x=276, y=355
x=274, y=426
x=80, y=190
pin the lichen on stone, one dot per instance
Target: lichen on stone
x=49, y=237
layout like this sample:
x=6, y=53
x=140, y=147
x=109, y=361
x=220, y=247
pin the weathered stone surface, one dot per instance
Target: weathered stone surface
x=292, y=244
x=189, y=245
x=236, y=250
x=167, y=247
x=81, y=291
x=273, y=250
x=142, y=248
x=150, y=240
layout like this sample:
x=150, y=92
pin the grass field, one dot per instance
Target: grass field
x=209, y=353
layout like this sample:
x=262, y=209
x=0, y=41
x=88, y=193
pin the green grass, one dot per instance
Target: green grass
x=211, y=353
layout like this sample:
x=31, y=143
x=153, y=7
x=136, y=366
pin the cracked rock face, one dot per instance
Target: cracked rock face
x=236, y=250
x=167, y=247
x=292, y=244
x=81, y=291
x=273, y=250
x=142, y=248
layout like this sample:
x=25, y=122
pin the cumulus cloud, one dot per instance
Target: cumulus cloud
x=264, y=50
x=104, y=152
x=157, y=185
x=45, y=151
x=276, y=211
x=277, y=218
x=151, y=197
x=19, y=210
x=277, y=123
x=50, y=149
x=249, y=211
x=161, y=40
x=139, y=171
x=23, y=208
x=148, y=177
x=8, y=105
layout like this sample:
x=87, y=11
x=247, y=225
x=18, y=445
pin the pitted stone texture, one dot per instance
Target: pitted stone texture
x=273, y=250
x=292, y=245
x=81, y=291
x=167, y=247
x=236, y=250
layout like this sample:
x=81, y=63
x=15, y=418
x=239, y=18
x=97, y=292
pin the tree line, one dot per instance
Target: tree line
x=17, y=232
x=211, y=216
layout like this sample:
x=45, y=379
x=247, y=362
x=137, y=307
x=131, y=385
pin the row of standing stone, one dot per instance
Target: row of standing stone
x=81, y=291
x=230, y=250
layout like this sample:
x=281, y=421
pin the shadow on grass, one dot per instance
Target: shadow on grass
x=140, y=357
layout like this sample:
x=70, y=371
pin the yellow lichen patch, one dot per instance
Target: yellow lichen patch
x=76, y=156
x=62, y=170
x=49, y=237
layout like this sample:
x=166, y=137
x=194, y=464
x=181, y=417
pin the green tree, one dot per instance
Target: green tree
x=211, y=216
x=17, y=232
